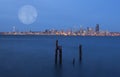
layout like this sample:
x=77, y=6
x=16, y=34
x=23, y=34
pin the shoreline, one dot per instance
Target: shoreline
x=62, y=33
x=58, y=35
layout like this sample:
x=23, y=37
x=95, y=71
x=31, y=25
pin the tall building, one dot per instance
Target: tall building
x=81, y=29
x=88, y=29
x=97, y=28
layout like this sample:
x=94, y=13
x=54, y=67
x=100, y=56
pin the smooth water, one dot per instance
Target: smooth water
x=33, y=56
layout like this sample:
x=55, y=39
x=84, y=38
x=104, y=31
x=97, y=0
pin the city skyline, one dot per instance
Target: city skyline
x=96, y=28
x=89, y=31
x=64, y=14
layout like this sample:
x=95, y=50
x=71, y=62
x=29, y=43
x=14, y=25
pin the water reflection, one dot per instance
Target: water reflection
x=58, y=70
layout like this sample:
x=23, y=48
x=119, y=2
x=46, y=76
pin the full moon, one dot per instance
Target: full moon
x=27, y=14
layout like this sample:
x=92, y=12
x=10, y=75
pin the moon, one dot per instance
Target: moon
x=27, y=14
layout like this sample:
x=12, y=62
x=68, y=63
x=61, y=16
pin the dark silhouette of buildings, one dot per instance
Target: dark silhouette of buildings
x=97, y=28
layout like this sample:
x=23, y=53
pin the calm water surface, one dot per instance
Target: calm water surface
x=33, y=56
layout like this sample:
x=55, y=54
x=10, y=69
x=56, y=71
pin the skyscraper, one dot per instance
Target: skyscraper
x=97, y=28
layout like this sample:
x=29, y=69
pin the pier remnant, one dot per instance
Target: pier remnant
x=73, y=61
x=58, y=51
x=80, y=52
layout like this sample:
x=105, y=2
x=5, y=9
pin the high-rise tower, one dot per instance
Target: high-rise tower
x=97, y=28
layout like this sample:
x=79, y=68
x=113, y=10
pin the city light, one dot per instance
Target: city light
x=81, y=32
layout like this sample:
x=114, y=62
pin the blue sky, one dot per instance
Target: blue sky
x=62, y=14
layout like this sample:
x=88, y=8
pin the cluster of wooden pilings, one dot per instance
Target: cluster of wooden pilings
x=58, y=53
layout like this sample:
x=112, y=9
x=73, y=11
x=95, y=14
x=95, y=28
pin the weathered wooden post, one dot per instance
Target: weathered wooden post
x=60, y=54
x=58, y=51
x=56, y=56
x=73, y=61
x=80, y=52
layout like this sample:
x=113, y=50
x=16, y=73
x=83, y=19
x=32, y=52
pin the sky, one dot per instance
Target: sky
x=62, y=14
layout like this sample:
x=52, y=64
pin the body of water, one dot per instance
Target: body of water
x=33, y=56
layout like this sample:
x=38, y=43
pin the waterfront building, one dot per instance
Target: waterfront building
x=97, y=28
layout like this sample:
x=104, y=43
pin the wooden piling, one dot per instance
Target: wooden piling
x=58, y=51
x=80, y=52
x=60, y=55
x=73, y=61
x=56, y=56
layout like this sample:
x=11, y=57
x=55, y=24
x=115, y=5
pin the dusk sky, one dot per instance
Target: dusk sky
x=62, y=14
